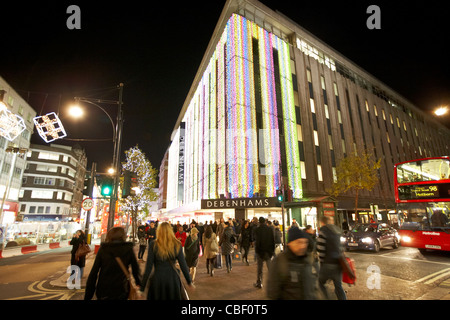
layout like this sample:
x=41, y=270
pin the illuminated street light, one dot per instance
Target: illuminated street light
x=111, y=171
x=441, y=111
x=76, y=111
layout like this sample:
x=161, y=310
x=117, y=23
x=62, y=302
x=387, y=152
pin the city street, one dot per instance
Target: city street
x=402, y=274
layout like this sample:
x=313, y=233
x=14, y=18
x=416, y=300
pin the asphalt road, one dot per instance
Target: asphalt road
x=391, y=274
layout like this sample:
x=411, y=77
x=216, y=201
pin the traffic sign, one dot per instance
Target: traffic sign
x=87, y=204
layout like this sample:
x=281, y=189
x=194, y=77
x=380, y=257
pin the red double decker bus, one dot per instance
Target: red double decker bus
x=422, y=195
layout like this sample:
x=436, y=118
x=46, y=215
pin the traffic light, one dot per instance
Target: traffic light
x=129, y=181
x=87, y=186
x=126, y=191
x=280, y=196
x=107, y=186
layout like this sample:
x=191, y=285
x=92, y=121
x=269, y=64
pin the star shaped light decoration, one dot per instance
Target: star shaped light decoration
x=49, y=127
x=11, y=125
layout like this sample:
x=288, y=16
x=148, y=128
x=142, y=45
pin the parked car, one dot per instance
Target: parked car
x=371, y=236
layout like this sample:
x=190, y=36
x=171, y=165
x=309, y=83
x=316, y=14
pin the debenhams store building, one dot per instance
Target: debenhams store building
x=272, y=107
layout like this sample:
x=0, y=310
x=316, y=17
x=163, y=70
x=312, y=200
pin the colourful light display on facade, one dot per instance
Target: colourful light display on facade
x=232, y=133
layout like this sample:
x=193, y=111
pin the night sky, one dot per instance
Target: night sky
x=156, y=51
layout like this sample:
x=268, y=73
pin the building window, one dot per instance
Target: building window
x=313, y=108
x=32, y=209
x=299, y=133
x=303, y=169
x=41, y=194
x=327, y=114
x=44, y=181
x=330, y=142
x=48, y=156
x=316, y=138
x=6, y=167
x=319, y=172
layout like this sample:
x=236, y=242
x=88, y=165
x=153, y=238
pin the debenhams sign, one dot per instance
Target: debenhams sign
x=239, y=203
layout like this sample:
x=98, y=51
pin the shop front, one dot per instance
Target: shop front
x=308, y=211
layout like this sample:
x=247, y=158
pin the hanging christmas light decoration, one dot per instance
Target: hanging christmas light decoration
x=11, y=125
x=49, y=127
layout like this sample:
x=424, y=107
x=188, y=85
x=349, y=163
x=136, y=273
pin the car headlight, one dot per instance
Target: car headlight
x=367, y=240
x=343, y=239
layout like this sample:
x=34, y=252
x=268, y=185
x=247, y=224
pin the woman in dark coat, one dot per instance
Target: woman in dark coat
x=246, y=240
x=165, y=283
x=112, y=283
x=192, y=251
x=78, y=238
x=227, y=245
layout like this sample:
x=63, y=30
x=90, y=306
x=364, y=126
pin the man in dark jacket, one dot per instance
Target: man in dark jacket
x=264, y=248
x=151, y=232
x=290, y=276
x=330, y=251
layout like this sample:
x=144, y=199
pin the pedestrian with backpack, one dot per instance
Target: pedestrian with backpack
x=192, y=251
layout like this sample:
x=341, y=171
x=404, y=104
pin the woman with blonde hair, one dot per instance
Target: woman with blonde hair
x=165, y=282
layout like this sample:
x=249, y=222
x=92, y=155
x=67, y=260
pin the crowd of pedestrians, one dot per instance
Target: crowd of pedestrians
x=300, y=270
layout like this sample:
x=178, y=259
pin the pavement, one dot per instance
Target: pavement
x=238, y=284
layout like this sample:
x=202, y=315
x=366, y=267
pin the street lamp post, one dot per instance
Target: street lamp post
x=117, y=138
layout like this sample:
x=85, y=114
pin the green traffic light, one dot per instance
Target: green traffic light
x=106, y=191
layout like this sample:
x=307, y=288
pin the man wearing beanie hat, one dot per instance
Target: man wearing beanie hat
x=290, y=276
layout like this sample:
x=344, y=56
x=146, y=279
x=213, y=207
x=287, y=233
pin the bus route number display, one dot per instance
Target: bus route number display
x=427, y=191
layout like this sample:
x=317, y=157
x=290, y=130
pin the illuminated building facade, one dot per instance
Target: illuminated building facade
x=274, y=107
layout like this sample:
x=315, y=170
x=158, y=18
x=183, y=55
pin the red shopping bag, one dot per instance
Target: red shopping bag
x=348, y=270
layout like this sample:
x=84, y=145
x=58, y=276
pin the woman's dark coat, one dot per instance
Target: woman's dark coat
x=112, y=283
x=192, y=251
x=164, y=281
x=246, y=237
x=75, y=242
x=225, y=243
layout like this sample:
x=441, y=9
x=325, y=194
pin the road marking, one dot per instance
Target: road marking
x=47, y=294
x=434, y=276
x=402, y=258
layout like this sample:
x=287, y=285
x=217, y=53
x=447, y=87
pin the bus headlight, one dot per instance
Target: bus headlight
x=367, y=240
x=406, y=239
